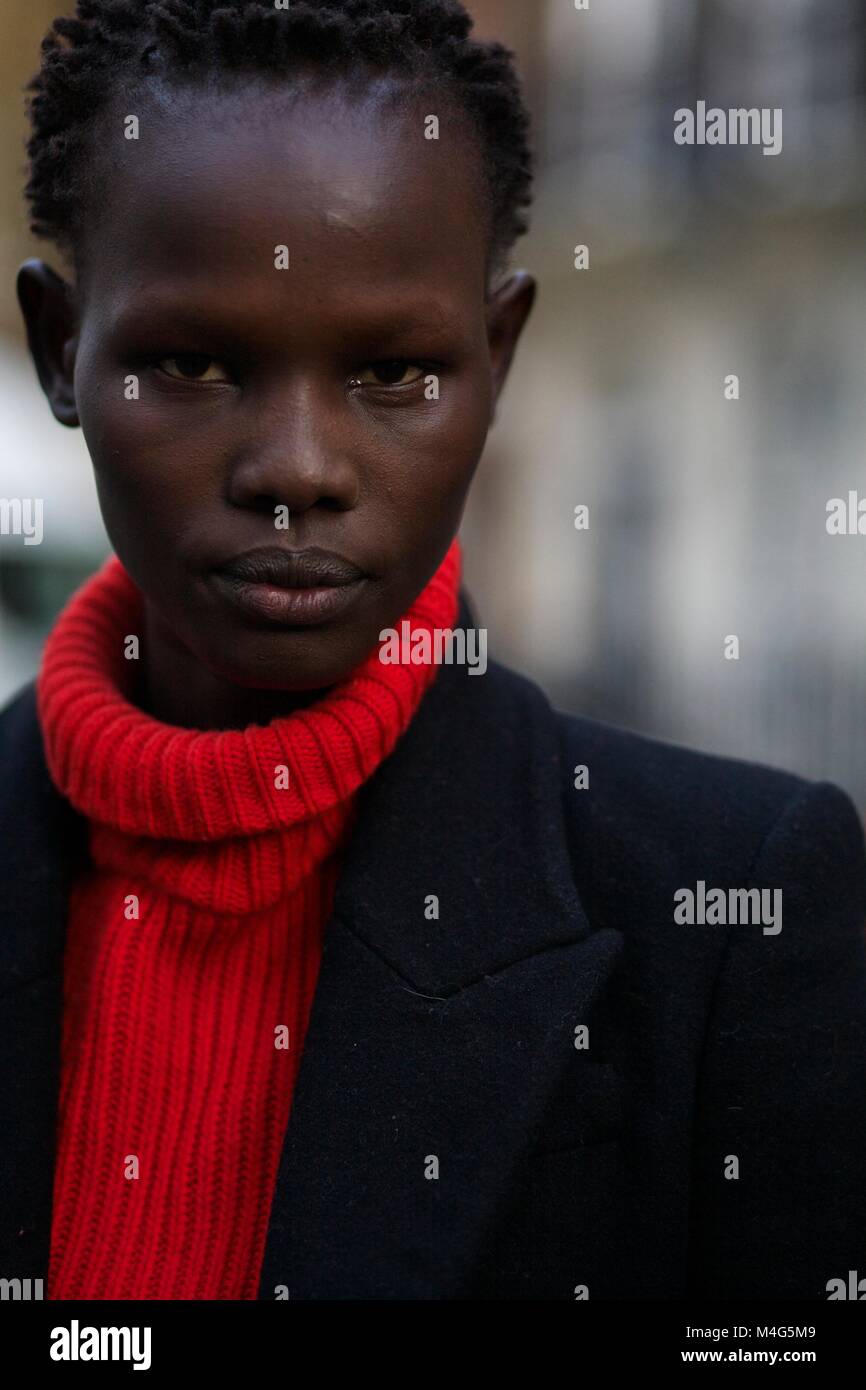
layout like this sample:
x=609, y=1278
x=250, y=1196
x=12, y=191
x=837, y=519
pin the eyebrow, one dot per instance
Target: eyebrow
x=228, y=320
x=180, y=303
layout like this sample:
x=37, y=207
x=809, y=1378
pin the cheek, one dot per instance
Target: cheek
x=143, y=498
x=136, y=498
x=463, y=423
x=142, y=472
x=435, y=449
x=432, y=457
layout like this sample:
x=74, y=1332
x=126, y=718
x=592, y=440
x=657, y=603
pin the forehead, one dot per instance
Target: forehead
x=342, y=176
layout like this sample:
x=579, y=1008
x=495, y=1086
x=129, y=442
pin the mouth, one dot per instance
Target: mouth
x=291, y=588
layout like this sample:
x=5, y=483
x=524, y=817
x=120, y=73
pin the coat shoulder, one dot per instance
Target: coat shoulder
x=31, y=808
x=21, y=746
x=659, y=814
x=639, y=780
x=642, y=817
x=634, y=782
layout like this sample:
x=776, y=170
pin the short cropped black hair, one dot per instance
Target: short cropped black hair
x=112, y=45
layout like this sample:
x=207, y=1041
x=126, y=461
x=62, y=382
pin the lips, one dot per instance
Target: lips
x=289, y=588
x=291, y=569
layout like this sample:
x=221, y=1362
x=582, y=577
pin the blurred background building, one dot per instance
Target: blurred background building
x=707, y=515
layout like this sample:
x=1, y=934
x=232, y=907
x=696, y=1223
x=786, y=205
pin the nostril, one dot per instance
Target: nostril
x=262, y=502
x=267, y=502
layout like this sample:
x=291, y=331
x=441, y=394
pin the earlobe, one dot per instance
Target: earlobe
x=508, y=308
x=47, y=306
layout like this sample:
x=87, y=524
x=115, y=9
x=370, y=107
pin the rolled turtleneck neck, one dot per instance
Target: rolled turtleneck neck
x=177, y=804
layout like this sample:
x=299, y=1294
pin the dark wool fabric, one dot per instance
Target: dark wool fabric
x=454, y=1038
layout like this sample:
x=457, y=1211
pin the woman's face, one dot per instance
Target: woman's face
x=236, y=397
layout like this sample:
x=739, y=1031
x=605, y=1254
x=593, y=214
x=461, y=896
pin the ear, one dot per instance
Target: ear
x=507, y=311
x=48, y=305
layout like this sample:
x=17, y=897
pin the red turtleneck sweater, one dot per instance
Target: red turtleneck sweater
x=193, y=947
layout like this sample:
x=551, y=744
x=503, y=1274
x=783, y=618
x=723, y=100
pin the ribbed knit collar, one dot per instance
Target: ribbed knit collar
x=204, y=815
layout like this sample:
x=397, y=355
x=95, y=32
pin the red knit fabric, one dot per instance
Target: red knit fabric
x=171, y=1067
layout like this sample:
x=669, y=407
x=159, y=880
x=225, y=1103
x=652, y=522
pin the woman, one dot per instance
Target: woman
x=331, y=975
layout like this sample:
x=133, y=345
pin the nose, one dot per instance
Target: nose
x=297, y=454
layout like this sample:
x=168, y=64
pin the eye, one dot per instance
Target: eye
x=193, y=366
x=394, y=372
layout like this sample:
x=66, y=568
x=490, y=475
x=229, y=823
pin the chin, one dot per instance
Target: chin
x=294, y=668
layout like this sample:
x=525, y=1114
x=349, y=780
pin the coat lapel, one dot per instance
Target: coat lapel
x=437, y=1044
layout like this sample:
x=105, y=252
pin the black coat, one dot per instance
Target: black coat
x=558, y=1166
